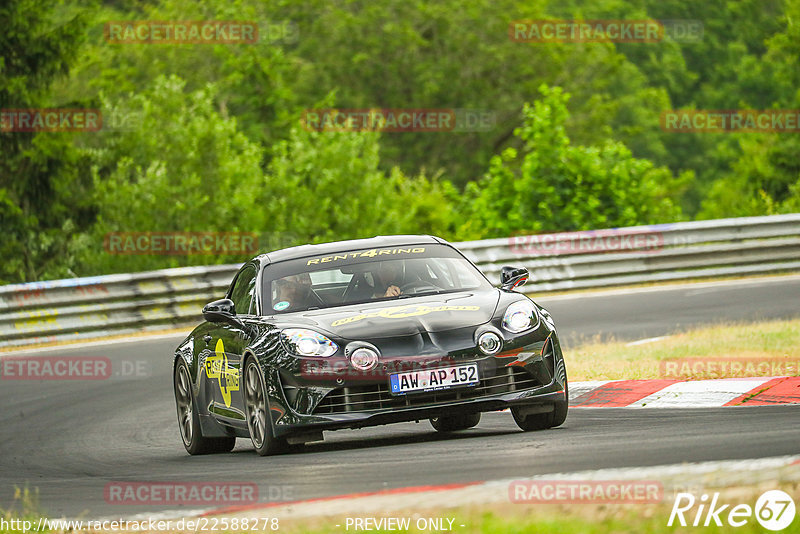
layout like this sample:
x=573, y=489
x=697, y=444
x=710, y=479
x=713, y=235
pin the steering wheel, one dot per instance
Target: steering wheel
x=418, y=286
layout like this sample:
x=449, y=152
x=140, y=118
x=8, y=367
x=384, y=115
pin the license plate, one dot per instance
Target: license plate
x=434, y=379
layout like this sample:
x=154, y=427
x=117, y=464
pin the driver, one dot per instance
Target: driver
x=388, y=279
x=294, y=292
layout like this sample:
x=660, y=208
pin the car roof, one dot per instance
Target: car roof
x=323, y=249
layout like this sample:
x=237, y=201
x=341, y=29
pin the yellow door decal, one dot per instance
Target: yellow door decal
x=228, y=376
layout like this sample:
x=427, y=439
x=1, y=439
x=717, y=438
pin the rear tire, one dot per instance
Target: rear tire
x=453, y=423
x=259, y=419
x=189, y=421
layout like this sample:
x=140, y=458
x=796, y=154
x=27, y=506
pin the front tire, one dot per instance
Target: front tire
x=542, y=421
x=453, y=423
x=259, y=420
x=189, y=421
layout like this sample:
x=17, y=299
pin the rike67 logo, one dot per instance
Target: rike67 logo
x=774, y=510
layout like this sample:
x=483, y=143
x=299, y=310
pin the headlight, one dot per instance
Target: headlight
x=307, y=342
x=520, y=316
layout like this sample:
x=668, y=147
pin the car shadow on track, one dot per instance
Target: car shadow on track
x=352, y=441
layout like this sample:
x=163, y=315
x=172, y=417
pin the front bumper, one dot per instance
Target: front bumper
x=545, y=396
x=530, y=375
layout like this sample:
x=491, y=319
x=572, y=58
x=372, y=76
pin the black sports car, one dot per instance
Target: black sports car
x=361, y=333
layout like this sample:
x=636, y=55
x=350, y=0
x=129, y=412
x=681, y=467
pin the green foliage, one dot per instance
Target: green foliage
x=552, y=184
x=25, y=507
x=181, y=166
x=729, y=68
x=329, y=186
x=764, y=177
x=253, y=81
x=42, y=175
x=765, y=180
x=208, y=137
x=452, y=54
x=200, y=173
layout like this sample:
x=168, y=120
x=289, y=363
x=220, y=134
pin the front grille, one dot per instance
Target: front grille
x=377, y=396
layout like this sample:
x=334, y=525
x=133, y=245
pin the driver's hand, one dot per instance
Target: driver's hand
x=392, y=291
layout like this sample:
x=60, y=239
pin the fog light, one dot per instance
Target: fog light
x=364, y=359
x=489, y=343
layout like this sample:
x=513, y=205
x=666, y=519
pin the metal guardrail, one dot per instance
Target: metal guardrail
x=117, y=304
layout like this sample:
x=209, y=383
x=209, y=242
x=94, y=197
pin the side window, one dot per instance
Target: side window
x=244, y=290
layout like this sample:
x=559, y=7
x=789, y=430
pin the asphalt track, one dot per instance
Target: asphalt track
x=69, y=439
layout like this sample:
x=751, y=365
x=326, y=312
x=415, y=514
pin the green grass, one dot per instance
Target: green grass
x=555, y=519
x=25, y=507
x=773, y=341
x=508, y=518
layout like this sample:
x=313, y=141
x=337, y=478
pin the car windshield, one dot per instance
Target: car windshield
x=366, y=275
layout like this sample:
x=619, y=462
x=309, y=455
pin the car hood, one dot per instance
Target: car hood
x=434, y=313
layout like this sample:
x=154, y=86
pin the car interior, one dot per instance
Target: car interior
x=360, y=282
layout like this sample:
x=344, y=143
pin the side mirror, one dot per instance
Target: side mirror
x=219, y=311
x=513, y=277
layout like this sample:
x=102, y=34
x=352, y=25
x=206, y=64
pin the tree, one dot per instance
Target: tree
x=182, y=167
x=765, y=177
x=553, y=185
x=43, y=178
x=456, y=55
x=326, y=186
x=199, y=172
